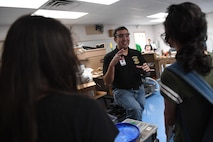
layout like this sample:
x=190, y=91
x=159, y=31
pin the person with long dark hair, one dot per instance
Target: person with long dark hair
x=186, y=110
x=39, y=100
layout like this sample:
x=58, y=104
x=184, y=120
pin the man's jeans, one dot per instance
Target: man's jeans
x=131, y=100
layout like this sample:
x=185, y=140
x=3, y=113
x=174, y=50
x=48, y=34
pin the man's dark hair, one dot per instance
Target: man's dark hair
x=119, y=29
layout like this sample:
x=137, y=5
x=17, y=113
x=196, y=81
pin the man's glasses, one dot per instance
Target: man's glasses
x=164, y=37
x=123, y=35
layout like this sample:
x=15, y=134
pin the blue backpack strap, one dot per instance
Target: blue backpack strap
x=195, y=80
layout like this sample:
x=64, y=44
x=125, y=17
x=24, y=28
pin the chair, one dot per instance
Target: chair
x=112, y=108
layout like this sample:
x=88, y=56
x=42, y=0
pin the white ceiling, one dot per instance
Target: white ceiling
x=125, y=12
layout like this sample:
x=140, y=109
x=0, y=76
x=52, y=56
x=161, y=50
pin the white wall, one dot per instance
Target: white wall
x=80, y=36
x=210, y=32
x=159, y=29
x=152, y=32
x=3, y=32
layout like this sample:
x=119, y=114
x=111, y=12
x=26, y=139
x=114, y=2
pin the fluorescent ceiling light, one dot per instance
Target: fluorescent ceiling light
x=59, y=14
x=158, y=15
x=34, y=4
x=159, y=20
x=106, y=2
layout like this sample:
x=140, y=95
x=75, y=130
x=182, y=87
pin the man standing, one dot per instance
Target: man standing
x=124, y=69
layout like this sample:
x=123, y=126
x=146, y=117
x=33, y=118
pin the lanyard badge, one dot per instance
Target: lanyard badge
x=122, y=62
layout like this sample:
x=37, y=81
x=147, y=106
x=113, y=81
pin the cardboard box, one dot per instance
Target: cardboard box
x=148, y=131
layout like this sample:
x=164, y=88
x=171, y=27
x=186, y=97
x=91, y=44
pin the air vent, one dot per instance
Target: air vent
x=60, y=4
x=57, y=3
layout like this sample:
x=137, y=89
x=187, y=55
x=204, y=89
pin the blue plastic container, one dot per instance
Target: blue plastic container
x=127, y=132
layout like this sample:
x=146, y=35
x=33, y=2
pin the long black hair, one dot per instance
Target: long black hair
x=38, y=57
x=187, y=24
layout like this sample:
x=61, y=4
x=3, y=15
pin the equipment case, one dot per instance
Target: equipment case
x=148, y=132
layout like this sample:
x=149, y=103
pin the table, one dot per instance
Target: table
x=161, y=63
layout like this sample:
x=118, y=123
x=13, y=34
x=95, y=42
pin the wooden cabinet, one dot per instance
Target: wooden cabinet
x=162, y=62
x=90, y=90
x=150, y=59
x=92, y=58
x=157, y=64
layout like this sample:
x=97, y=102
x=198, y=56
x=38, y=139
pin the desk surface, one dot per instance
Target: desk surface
x=164, y=57
x=86, y=85
x=97, y=74
x=99, y=94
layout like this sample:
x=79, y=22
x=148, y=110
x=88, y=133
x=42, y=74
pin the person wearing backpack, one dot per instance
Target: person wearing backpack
x=187, y=112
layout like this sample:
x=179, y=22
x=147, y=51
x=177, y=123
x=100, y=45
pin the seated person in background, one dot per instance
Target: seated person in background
x=148, y=46
x=39, y=100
